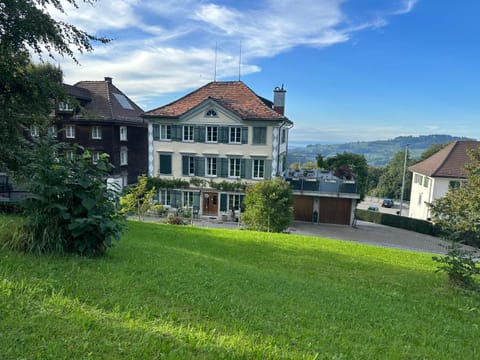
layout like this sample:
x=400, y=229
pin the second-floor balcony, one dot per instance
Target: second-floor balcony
x=325, y=184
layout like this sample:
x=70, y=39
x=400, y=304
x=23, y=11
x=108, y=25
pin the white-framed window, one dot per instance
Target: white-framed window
x=187, y=198
x=165, y=197
x=235, y=136
x=165, y=132
x=211, y=166
x=211, y=113
x=426, y=182
x=418, y=179
x=34, y=131
x=259, y=135
x=123, y=156
x=96, y=132
x=211, y=134
x=258, y=169
x=454, y=184
x=234, y=168
x=233, y=202
x=70, y=131
x=95, y=157
x=52, y=131
x=70, y=155
x=188, y=133
x=65, y=106
x=123, y=133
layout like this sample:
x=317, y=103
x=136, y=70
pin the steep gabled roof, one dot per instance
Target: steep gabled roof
x=235, y=96
x=107, y=101
x=449, y=162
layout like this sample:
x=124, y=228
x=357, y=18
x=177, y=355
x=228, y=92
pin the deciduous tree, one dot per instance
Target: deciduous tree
x=268, y=206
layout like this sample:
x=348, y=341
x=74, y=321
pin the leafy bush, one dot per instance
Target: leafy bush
x=269, y=206
x=71, y=208
x=10, y=207
x=460, y=266
x=174, y=219
x=138, y=199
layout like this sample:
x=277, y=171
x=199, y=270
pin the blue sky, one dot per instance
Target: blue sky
x=354, y=70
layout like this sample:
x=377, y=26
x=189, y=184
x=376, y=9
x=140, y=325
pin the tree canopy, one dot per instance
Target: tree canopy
x=390, y=182
x=26, y=89
x=347, y=165
x=458, y=212
x=269, y=206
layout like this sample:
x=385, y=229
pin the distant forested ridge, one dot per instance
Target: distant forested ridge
x=377, y=153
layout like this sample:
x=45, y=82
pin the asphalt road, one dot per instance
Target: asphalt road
x=371, y=201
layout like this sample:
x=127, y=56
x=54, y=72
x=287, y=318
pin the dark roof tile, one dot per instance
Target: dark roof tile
x=449, y=162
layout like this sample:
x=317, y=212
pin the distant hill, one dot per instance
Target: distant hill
x=377, y=153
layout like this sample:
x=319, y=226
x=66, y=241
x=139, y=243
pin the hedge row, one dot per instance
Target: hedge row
x=10, y=207
x=403, y=222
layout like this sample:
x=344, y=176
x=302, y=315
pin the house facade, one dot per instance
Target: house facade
x=103, y=119
x=221, y=133
x=433, y=177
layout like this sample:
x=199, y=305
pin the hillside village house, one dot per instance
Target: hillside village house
x=225, y=133
x=433, y=177
x=221, y=132
x=105, y=120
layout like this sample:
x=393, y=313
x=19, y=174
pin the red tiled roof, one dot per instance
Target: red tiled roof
x=449, y=162
x=232, y=95
x=105, y=104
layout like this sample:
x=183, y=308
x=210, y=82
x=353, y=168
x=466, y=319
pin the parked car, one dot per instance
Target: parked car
x=388, y=203
x=373, y=208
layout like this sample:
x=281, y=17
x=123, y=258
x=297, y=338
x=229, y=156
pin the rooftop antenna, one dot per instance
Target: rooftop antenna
x=240, y=62
x=215, y=73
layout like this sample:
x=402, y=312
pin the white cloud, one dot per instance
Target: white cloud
x=169, y=46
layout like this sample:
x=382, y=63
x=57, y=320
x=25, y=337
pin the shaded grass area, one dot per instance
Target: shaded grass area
x=186, y=292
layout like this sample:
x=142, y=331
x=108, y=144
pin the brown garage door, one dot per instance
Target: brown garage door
x=302, y=207
x=335, y=211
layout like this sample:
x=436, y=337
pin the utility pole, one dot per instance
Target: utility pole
x=403, y=178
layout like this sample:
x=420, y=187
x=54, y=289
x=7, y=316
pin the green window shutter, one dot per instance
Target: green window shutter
x=185, y=165
x=199, y=134
x=223, y=134
x=165, y=164
x=244, y=135
x=200, y=166
x=196, y=199
x=248, y=168
x=156, y=132
x=223, y=202
x=222, y=167
x=243, y=168
x=176, y=198
x=268, y=169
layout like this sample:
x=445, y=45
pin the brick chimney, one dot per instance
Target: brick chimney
x=108, y=79
x=279, y=100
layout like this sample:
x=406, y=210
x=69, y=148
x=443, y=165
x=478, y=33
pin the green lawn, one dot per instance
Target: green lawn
x=182, y=292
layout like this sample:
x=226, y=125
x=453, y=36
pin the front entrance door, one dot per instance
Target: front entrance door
x=210, y=203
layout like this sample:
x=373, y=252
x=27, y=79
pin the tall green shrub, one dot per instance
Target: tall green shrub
x=70, y=208
x=268, y=206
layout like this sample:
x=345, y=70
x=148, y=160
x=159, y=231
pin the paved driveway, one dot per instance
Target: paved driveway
x=373, y=234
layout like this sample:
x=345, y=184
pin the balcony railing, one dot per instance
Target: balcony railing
x=323, y=185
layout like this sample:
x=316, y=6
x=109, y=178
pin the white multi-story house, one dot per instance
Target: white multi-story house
x=433, y=177
x=220, y=133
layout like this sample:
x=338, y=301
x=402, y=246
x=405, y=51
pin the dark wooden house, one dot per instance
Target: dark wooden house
x=103, y=119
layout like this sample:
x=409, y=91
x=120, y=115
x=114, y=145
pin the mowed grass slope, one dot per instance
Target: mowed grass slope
x=184, y=292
